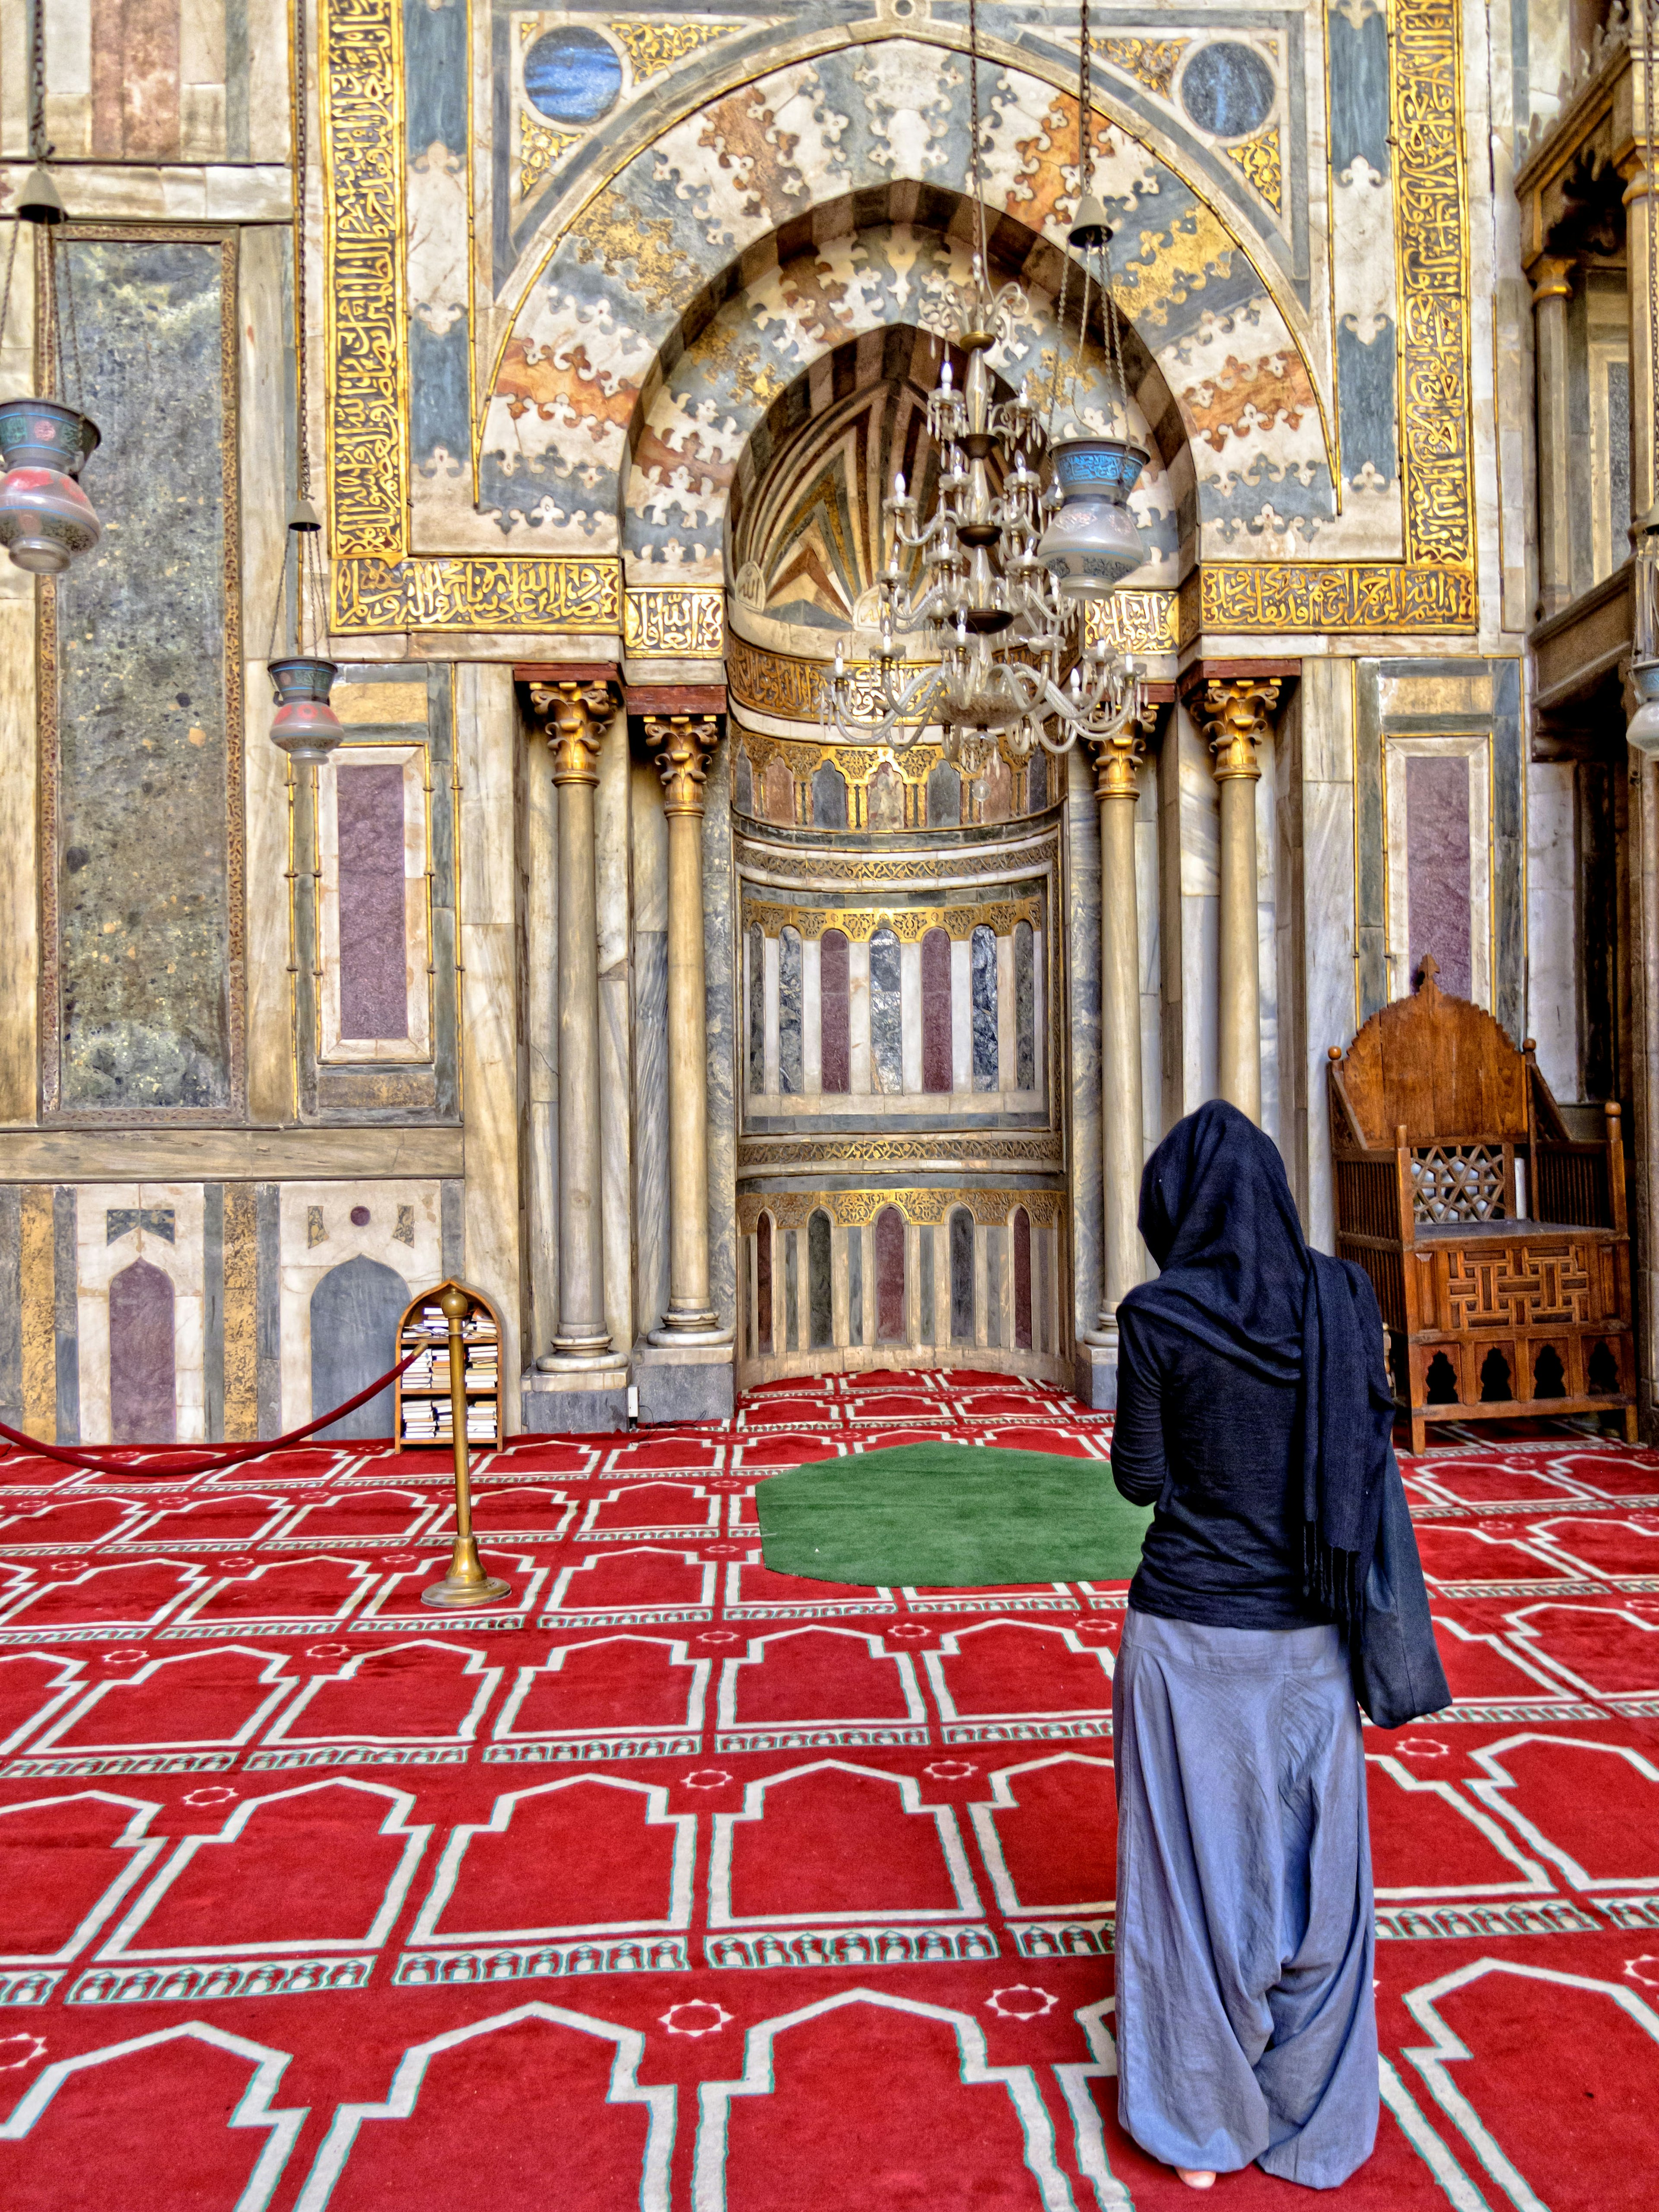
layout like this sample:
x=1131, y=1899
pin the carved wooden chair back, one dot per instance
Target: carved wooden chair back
x=1444, y=1071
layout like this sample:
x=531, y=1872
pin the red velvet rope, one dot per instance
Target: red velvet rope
x=222, y=1455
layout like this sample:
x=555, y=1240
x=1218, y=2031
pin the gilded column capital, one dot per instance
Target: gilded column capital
x=1551, y=279
x=1117, y=764
x=684, y=740
x=1233, y=714
x=575, y=713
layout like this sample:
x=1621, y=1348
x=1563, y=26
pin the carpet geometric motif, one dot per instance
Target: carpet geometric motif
x=676, y=1883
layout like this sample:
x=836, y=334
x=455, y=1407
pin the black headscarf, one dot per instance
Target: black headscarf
x=1217, y=1215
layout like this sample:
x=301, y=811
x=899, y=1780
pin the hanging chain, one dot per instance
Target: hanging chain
x=972, y=131
x=54, y=247
x=46, y=312
x=277, y=608
x=1650, y=156
x=11, y=261
x=301, y=156
x=1059, y=345
x=38, y=149
x=1085, y=152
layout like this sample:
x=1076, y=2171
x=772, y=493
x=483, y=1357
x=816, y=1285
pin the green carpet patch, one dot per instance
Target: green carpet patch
x=952, y=1517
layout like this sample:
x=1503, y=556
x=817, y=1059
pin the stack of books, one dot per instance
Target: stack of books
x=421, y=1421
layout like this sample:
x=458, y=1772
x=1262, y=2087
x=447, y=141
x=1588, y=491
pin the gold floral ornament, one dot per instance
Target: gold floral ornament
x=1152, y=61
x=539, y=147
x=651, y=47
x=1258, y=160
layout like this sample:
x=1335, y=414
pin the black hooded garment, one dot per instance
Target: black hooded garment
x=1254, y=1409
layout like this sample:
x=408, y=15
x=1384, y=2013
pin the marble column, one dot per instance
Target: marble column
x=1234, y=713
x=1552, y=298
x=681, y=741
x=576, y=714
x=1118, y=788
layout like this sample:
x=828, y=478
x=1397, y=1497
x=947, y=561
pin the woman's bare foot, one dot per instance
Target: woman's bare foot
x=1196, y=2179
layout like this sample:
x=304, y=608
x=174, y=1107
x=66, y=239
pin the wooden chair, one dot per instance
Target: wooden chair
x=1496, y=1242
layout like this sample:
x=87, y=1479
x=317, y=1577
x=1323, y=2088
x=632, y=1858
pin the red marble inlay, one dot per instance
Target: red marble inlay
x=889, y=1275
x=835, y=1045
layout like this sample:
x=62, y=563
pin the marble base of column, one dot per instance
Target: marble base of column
x=685, y=1379
x=580, y=1353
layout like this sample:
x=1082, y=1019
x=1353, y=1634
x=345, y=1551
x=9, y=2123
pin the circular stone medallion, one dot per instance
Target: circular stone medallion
x=1227, y=89
x=572, y=76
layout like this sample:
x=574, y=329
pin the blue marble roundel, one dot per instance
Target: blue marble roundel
x=572, y=76
x=1227, y=89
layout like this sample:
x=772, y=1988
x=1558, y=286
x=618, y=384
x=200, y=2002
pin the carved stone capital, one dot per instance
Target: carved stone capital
x=684, y=740
x=576, y=714
x=1234, y=716
x=1551, y=279
x=1117, y=764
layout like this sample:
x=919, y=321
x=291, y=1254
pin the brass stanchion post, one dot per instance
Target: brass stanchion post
x=466, y=1582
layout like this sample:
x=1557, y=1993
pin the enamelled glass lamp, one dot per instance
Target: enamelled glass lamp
x=305, y=726
x=46, y=521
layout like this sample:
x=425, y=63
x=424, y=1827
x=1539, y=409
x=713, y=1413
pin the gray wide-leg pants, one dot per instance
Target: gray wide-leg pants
x=1246, y=2028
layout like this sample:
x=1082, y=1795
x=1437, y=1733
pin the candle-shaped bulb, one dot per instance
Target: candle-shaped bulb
x=898, y=483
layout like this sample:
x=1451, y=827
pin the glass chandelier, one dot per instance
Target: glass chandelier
x=1009, y=569
x=46, y=521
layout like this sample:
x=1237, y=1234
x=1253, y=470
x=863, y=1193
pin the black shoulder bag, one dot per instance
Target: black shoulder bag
x=1397, y=1673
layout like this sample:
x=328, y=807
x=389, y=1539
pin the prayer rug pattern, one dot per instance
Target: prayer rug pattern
x=677, y=1883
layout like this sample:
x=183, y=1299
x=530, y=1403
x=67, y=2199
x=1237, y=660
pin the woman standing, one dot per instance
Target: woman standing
x=1246, y=2028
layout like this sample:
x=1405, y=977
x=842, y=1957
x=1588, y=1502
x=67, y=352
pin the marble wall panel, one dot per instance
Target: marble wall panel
x=321, y=1235
x=1553, y=971
x=165, y=81
x=146, y=946
x=161, y=1227
x=1362, y=271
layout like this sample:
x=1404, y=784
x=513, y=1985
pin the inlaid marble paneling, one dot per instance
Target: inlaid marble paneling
x=834, y=1064
x=789, y=1012
x=820, y=1315
x=886, y=1013
x=961, y=1276
x=1024, y=1008
x=147, y=761
x=983, y=947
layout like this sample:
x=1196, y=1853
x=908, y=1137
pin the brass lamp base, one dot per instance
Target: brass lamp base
x=466, y=1583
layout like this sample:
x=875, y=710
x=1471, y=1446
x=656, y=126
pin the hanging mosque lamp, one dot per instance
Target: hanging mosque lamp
x=305, y=726
x=46, y=521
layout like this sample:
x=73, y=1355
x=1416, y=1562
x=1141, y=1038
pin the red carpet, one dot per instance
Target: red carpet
x=679, y=1884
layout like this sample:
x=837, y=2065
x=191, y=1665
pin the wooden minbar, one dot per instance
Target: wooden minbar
x=1497, y=1241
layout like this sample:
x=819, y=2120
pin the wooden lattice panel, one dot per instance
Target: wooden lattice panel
x=1524, y=1285
x=1458, y=1183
